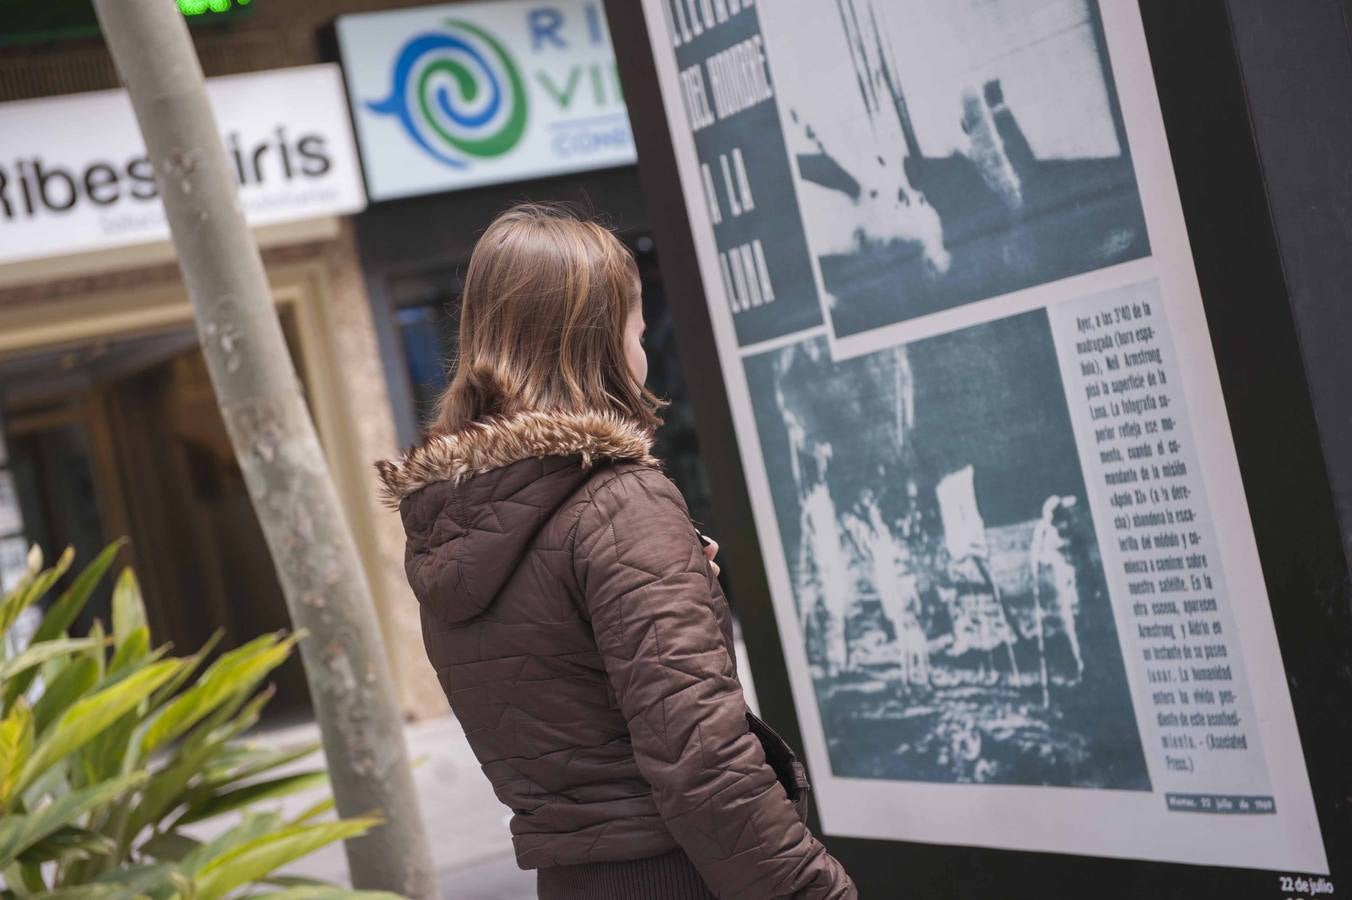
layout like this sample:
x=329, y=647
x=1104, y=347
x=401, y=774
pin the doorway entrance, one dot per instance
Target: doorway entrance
x=121, y=437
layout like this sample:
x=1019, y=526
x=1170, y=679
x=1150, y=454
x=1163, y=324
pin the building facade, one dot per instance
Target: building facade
x=110, y=421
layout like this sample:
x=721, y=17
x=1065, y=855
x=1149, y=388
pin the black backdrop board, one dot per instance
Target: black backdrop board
x=1267, y=400
x=1298, y=78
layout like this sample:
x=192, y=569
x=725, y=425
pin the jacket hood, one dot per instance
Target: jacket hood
x=502, y=440
x=473, y=501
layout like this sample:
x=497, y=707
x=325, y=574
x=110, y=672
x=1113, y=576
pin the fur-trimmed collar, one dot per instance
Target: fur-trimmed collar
x=501, y=441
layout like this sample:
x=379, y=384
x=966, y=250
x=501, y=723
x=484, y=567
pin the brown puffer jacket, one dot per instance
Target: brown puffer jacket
x=586, y=648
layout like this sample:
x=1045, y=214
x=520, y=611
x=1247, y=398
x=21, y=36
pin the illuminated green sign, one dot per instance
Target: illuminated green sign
x=209, y=7
x=34, y=21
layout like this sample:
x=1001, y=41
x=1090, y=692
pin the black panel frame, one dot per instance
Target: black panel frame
x=1281, y=458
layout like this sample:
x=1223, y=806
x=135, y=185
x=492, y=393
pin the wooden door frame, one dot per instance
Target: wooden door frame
x=298, y=287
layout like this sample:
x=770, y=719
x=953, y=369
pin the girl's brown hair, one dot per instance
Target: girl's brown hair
x=542, y=319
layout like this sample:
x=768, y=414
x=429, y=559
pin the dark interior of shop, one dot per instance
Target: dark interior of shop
x=122, y=438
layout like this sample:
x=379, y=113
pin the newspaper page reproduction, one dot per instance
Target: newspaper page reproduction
x=982, y=427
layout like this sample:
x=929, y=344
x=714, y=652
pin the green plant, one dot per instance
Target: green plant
x=111, y=748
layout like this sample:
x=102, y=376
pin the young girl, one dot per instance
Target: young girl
x=569, y=608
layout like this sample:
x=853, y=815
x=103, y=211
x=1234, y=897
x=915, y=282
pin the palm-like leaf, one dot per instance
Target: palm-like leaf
x=323, y=892
x=251, y=827
x=61, y=614
x=31, y=590
x=129, y=610
x=236, y=671
x=20, y=831
x=84, y=720
x=75, y=679
x=37, y=654
x=217, y=804
x=96, y=760
x=240, y=762
x=260, y=857
x=16, y=746
x=68, y=842
x=168, y=789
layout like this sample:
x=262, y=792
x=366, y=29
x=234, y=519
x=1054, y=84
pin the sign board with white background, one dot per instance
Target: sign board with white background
x=469, y=94
x=74, y=175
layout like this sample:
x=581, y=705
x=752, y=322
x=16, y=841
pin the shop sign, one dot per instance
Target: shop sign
x=448, y=97
x=74, y=175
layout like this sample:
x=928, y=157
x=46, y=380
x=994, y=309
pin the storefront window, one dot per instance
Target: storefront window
x=427, y=341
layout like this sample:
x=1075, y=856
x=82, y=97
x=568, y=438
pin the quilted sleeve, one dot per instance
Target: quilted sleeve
x=647, y=589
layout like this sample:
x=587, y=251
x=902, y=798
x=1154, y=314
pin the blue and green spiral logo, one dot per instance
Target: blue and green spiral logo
x=458, y=94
